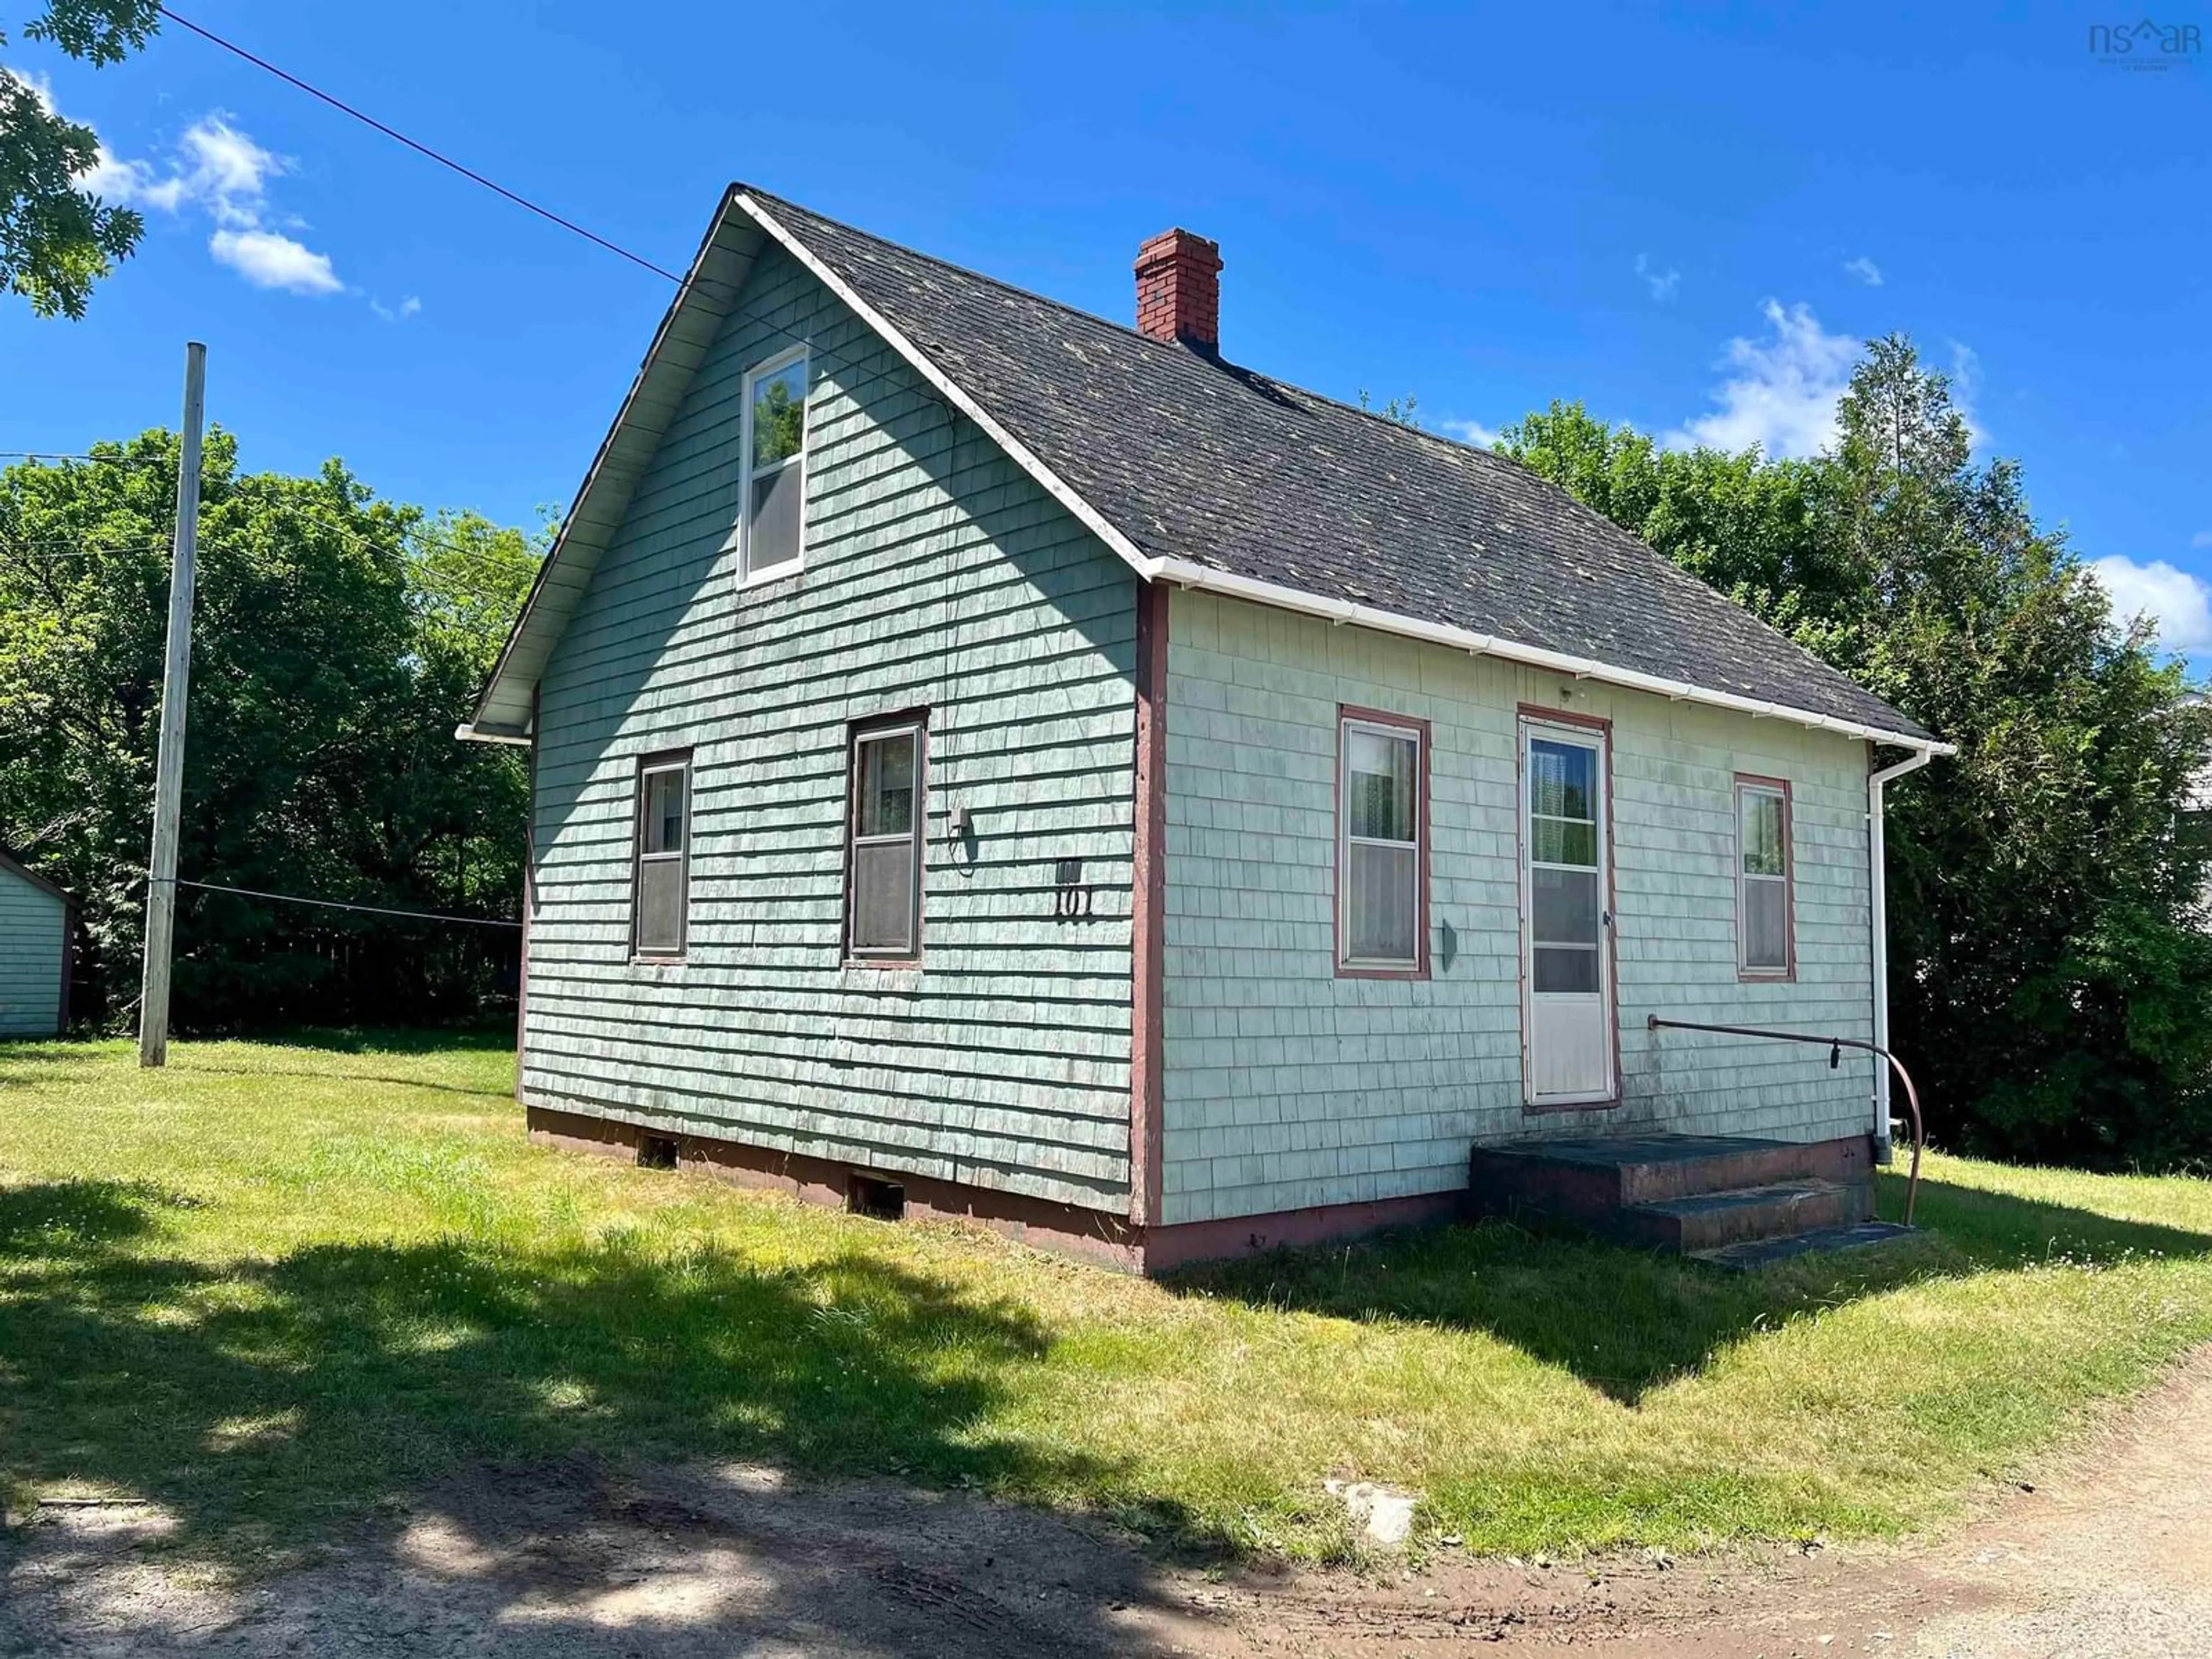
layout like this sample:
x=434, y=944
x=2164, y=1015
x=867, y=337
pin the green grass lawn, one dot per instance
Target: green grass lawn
x=276, y=1289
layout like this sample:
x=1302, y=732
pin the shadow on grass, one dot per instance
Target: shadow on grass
x=47, y=1051
x=206, y=1068
x=267, y=1404
x=1626, y=1321
x=469, y=1037
x=70, y=1219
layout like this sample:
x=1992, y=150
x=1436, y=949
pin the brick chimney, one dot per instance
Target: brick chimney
x=1179, y=290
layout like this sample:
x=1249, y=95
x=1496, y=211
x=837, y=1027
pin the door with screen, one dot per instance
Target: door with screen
x=1566, y=916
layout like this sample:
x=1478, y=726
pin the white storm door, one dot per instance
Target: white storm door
x=1566, y=916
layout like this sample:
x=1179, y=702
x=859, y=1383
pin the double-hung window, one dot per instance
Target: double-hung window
x=772, y=528
x=884, y=850
x=1382, y=844
x=661, y=878
x=1765, y=932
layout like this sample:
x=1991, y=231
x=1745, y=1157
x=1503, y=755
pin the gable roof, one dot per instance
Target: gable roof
x=1208, y=475
x=13, y=868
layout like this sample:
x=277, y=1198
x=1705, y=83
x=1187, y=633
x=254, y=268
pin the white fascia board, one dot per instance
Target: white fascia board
x=1057, y=487
x=1206, y=578
x=468, y=731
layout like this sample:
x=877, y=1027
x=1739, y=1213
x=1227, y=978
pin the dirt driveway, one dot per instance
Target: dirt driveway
x=2108, y=1552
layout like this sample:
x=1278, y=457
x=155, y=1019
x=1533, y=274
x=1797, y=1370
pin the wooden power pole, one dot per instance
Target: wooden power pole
x=169, y=763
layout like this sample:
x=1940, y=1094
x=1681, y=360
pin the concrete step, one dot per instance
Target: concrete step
x=1748, y=1254
x=1585, y=1179
x=1709, y=1221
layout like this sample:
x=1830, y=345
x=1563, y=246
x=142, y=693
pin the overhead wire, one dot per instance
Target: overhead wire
x=418, y=539
x=856, y=375
x=852, y=376
x=340, y=904
x=410, y=540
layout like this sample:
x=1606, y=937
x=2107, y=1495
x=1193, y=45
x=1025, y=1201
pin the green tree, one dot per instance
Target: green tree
x=1405, y=412
x=2050, y=983
x=1749, y=527
x=338, y=641
x=57, y=239
x=2049, y=974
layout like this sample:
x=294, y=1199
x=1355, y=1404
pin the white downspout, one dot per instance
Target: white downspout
x=1878, y=874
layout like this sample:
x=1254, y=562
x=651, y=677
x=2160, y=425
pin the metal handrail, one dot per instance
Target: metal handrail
x=1834, y=1044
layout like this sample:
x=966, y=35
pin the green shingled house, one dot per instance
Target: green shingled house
x=35, y=955
x=989, y=760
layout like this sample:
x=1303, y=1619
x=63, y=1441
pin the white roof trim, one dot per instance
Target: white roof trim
x=1184, y=573
x=467, y=733
x=1095, y=521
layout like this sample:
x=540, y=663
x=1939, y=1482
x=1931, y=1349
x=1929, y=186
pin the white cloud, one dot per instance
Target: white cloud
x=267, y=259
x=407, y=307
x=215, y=167
x=230, y=172
x=1865, y=269
x=40, y=89
x=1469, y=432
x=2201, y=538
x=1781, y=393
x=133, y=184
x=1967, y=390
x=127, y=183
x=2178, y=601
x=1663, y=284
x=218, y=170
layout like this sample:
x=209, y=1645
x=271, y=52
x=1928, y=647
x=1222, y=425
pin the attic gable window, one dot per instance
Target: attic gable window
x=771, y=531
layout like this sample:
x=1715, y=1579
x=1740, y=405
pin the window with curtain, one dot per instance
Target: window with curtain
x=662, y=876
x=1380, y=787
x=1764, y=927
x=773, y=531
x=884, y=858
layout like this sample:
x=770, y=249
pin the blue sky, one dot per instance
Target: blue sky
x=1686, y=219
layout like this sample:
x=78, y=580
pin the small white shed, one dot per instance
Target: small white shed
x=34, y=953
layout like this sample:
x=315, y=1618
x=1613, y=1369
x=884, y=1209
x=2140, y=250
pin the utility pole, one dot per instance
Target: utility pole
x=169, y=763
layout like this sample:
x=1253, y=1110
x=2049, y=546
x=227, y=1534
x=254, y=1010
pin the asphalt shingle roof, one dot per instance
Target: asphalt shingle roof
x=1195, y=458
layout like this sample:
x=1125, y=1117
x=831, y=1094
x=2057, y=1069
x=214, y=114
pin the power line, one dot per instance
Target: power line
x=76, y=546
x=87, y=460
x=335, y=904
x=399, y=137
x=410, y=541
x=855, y=376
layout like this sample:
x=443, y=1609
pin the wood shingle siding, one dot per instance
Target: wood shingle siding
x=1288, y=1087
x=34, y=946
x=938, y=575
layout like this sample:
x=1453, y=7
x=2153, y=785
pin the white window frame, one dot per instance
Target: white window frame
x=747, y=572
x=864, y=733
x=1778, y=791
x=1417, y=965
x=651, y=767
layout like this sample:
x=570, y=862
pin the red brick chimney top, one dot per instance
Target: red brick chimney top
x=1179, y=290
